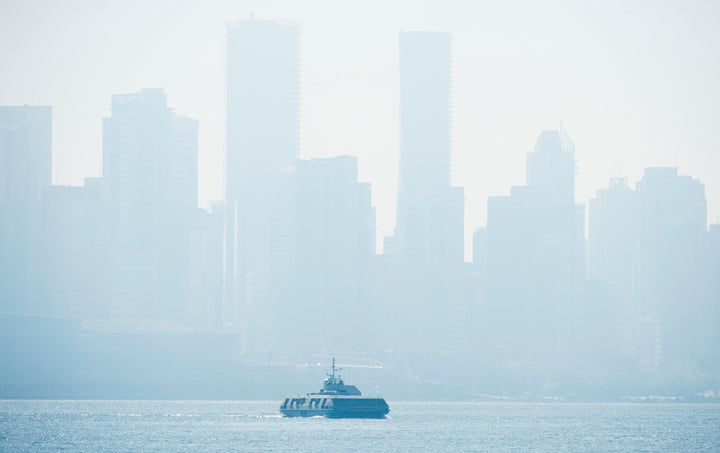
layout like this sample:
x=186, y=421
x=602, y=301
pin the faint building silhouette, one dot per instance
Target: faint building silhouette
x=428, y=242
x=72, y=242
x=335, y=246
x=150, y=189
x=612, y=259
x=25, y=152
x=710, y=318
x=649, y=246
x=672, y=231
x=477, y=275
x=205, y=261
x=25, y=172
x=429, y=230
x=535, y=265
x=551, y=166
x=263, y=67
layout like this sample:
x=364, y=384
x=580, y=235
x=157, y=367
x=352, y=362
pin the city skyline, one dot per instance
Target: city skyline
x=666, y=122
x=135, y=285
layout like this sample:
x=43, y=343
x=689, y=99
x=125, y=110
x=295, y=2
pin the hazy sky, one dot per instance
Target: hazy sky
x=635, y=83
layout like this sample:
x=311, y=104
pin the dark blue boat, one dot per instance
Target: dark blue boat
x=335, y=400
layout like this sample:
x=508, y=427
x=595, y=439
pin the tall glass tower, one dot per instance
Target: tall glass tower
x=261, y=147
x=429, y=226
x=427, y=246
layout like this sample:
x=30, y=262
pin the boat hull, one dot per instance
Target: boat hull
x=338, y=407
x=334, y=413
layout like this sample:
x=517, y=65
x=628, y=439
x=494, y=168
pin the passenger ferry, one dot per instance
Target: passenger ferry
x=335, y=400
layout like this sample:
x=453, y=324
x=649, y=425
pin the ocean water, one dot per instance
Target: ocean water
x=33, y=425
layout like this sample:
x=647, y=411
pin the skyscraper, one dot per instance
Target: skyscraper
x=429, y=228
x=262, y=141
x=25, y=152
x=711, y=320
x=672, y=229
x=534, y=265
x=72, y=244
x=612, y=254
x=427, y=245
x=649, y=247
x=551, y=165
x=25, y=171
x=150, y=178
x=425, y=78
x=335, y=225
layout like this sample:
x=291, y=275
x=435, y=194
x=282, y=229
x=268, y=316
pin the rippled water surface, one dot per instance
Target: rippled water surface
x=256, y=426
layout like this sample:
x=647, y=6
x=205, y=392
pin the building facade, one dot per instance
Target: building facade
x=25, y=172
x=262, y=132
x=149, y=190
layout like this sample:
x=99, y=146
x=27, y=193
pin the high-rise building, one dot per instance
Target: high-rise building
x=335, y=245
x=25, y=152
x=649, y=247
x=262, y=141
x=425, y=78
x=150, y=189
x=205, y=261
x=428, y=242
x=612, y=223
x=612, y=255
x=710, y=323
x=672, y=231
x=551, y=165
x=429, y=226
x=25, y=171
x=72, y=242
x=534, y=253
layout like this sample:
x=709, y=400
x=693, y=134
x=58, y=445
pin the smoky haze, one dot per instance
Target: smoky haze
x=211, y=202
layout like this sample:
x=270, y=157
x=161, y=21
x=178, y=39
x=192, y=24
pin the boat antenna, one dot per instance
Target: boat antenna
x=334, y=369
